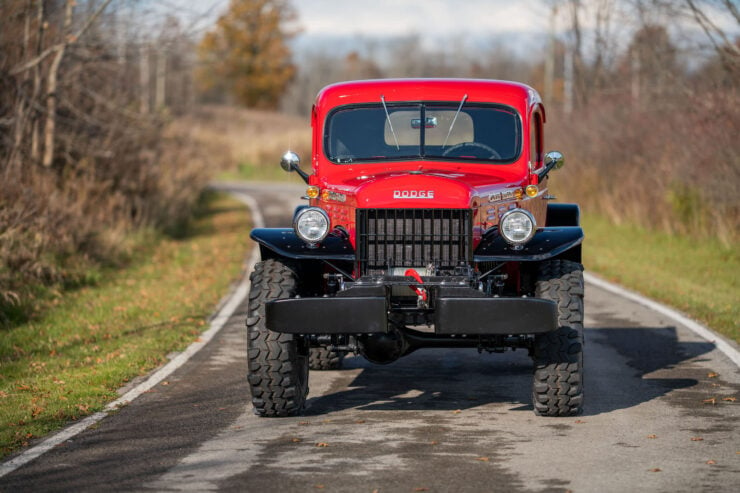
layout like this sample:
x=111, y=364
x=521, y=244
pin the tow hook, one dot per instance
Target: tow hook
x=421, y=293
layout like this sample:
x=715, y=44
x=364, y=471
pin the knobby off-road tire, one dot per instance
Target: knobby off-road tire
x=278, y=363
x=558, y=356
x=321, y=358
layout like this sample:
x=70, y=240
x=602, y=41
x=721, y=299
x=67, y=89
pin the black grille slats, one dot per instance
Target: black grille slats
x=413, y=238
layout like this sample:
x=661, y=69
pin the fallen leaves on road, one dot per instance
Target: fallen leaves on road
x=656, y=469
x=711, y=374
x=580, y=422
x=165, y=382
x=360, y=422
x=421, y=488
x=296, y=440
x=322, y=444
x=652, y=436
x=319, y=486
x=483, y=459
x=711, y=400
x=434, y=442
x=729, y=399
x=711, y=462
x=456, y=411
x=697, y=439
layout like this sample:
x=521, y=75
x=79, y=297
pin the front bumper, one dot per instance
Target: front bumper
x=455, y=312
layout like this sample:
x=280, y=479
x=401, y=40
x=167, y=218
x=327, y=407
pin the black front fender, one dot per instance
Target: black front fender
x=546, y=243
x=285, y=243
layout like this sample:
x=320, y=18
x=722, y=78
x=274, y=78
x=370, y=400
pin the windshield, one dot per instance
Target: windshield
x=413, y=131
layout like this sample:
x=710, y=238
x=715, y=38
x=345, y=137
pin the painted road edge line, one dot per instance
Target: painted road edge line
x=226, y=310
x=699, y=329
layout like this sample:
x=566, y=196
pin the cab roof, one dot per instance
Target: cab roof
x=514, y=94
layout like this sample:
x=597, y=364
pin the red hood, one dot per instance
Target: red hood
x=427, y=189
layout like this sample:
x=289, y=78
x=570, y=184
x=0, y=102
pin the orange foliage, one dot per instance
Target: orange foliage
x=246, y=54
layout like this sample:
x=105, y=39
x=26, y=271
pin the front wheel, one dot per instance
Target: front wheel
x=277, y=362
x=557, y=389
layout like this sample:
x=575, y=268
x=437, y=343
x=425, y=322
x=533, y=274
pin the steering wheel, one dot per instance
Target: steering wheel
x=458, y=150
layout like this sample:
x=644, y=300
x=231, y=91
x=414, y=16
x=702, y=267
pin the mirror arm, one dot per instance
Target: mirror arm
x=553, y=160
x=542, y=173
x=301, y=173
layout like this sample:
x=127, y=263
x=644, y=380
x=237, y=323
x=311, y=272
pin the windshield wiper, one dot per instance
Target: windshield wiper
x=388, y=117
x=453, y=120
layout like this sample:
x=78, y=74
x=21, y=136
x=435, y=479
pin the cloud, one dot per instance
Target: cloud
x=430, y=19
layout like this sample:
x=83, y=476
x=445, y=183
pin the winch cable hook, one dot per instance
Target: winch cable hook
x=421, y=292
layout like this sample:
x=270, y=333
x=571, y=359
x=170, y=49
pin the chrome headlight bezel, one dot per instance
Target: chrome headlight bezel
x=514, y=214
x=321, y=221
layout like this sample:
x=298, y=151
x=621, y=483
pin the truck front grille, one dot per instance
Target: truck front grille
x=388, y=238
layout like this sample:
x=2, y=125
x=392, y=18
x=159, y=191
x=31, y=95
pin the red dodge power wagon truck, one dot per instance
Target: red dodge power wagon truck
x=429, y=224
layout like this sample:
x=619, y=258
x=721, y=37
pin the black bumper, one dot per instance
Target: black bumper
x=452, y=315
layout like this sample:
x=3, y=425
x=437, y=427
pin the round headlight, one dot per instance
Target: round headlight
x=311, y=225
x=517, y=226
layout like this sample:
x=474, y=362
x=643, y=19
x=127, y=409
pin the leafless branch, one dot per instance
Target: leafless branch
x=70, y=39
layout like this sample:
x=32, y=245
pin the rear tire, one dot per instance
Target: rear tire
x=321, y=358
x=557, y=388
x=277, y=363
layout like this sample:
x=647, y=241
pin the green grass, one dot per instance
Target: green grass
x=247, y=171
x=81, y=345
x=699, y=276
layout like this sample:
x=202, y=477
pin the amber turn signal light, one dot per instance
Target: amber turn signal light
x=312, y=192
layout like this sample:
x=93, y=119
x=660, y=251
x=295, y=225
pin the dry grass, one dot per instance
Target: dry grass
x=672, y=168
x=57, y=226
x=248, y=144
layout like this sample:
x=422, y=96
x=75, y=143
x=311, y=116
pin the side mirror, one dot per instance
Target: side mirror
x=553, y=160
x=291, y=162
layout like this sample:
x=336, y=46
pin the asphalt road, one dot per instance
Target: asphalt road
x=438, y=420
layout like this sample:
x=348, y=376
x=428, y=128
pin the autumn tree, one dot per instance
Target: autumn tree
x=246, y=54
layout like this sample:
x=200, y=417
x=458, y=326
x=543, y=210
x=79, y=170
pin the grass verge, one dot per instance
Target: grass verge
x=247, y=171
x=82, y=345
x=699, y=276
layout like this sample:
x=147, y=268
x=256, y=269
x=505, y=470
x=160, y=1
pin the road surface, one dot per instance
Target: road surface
x=655, y=419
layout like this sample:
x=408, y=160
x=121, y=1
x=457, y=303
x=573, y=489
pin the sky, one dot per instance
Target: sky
x=431, y=19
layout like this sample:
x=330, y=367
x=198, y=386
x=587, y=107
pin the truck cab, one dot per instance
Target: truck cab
x=428, y=223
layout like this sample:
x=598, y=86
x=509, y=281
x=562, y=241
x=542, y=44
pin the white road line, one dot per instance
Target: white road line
x=227, y=309
x=704, y=332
